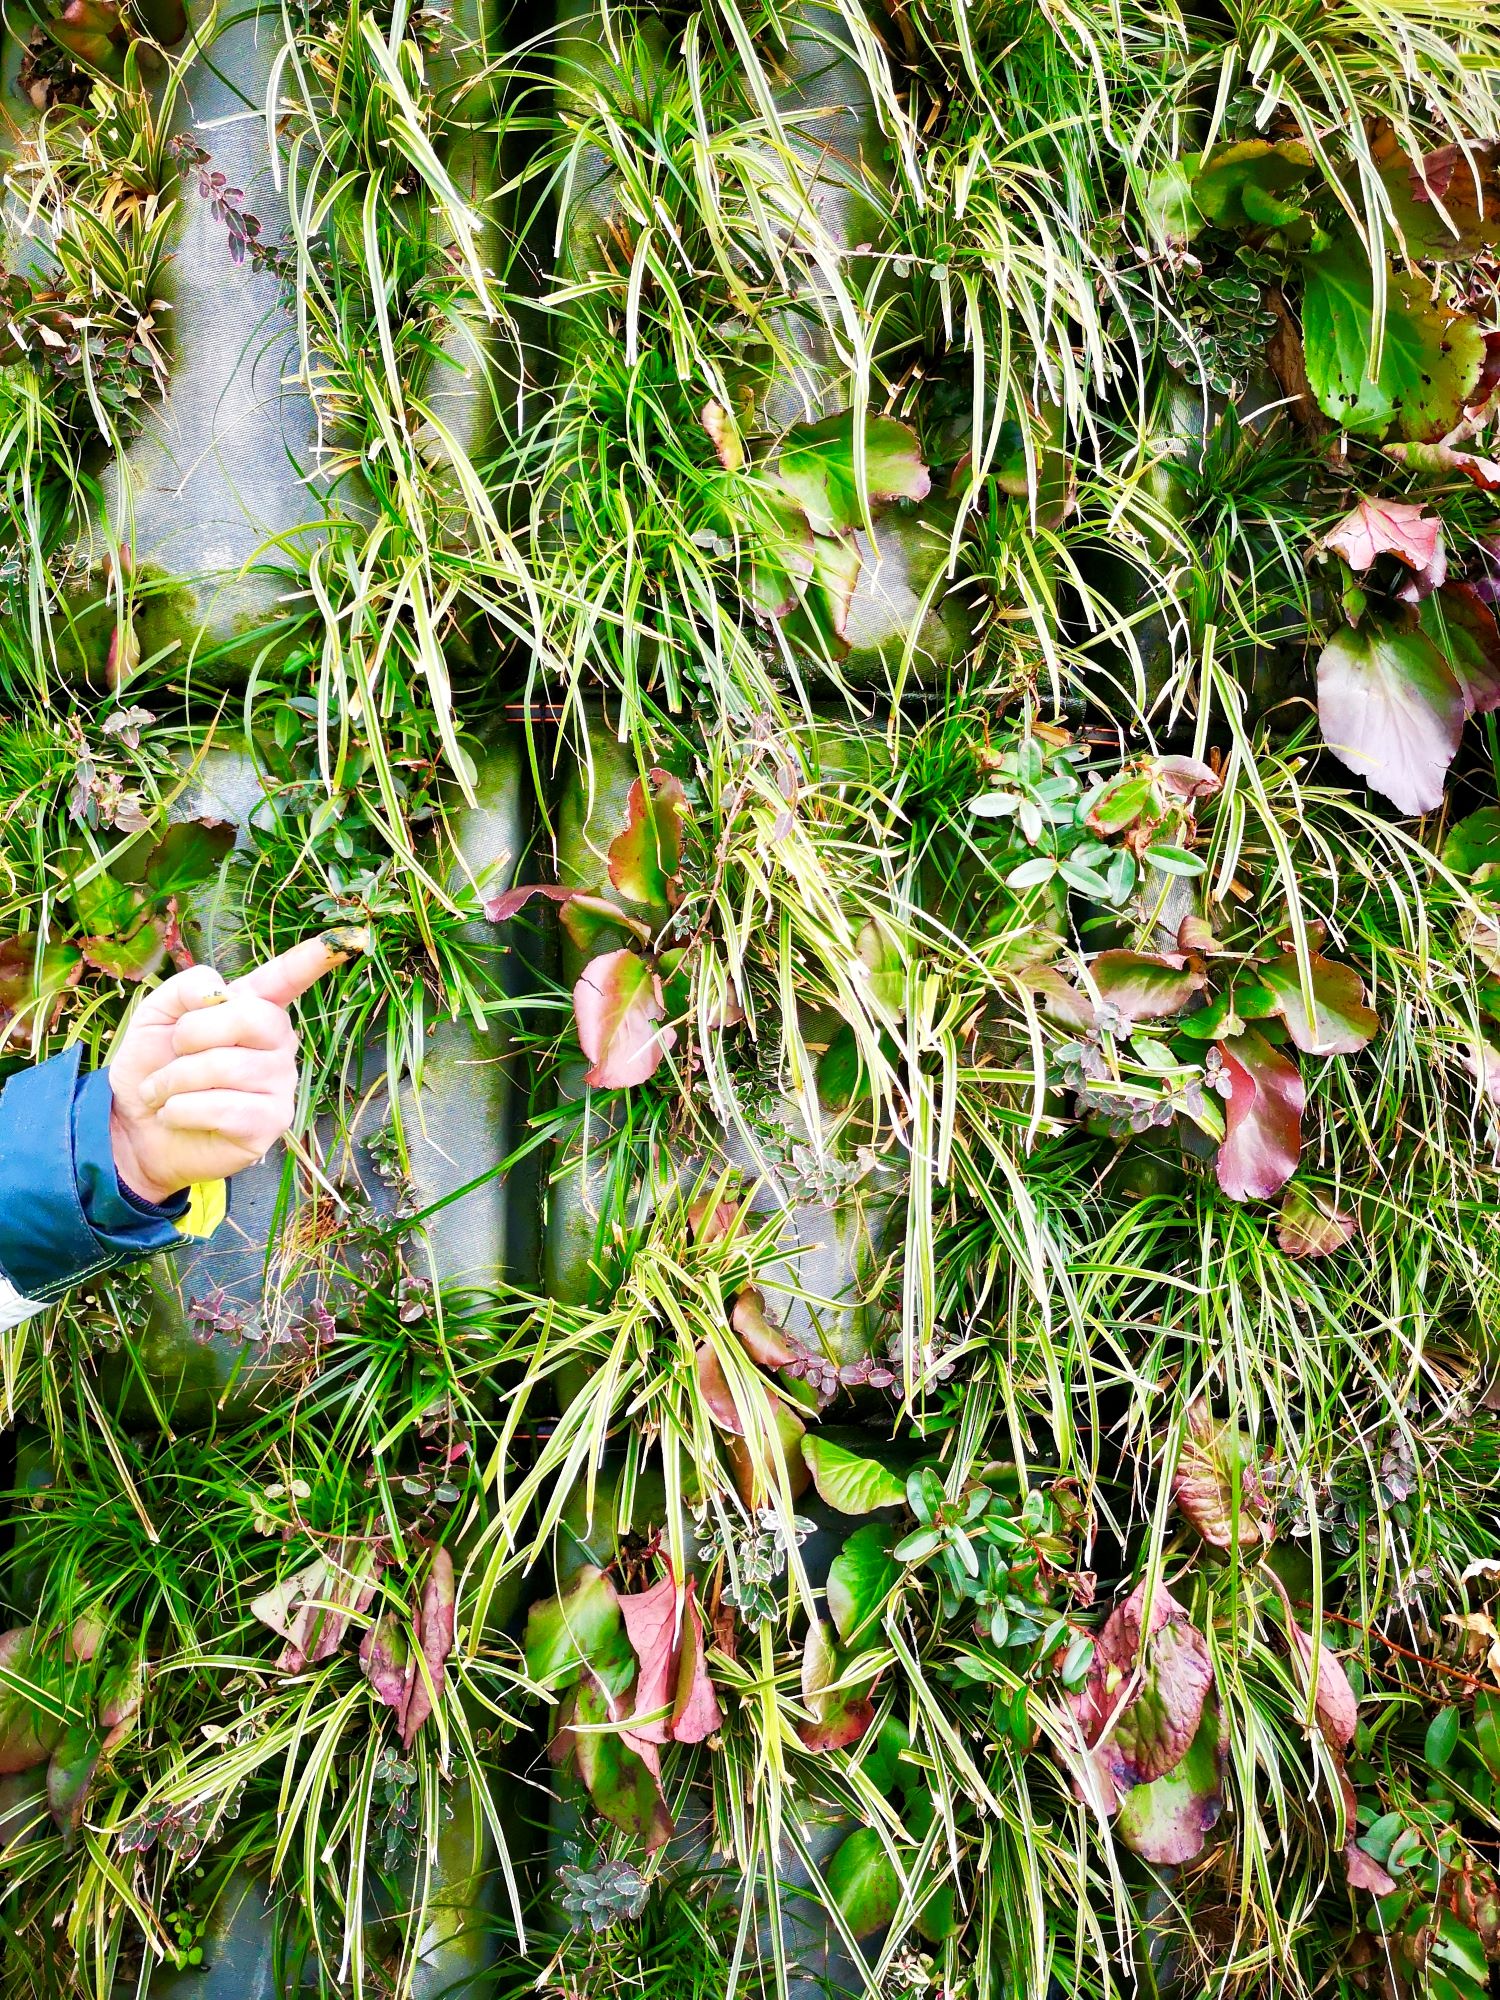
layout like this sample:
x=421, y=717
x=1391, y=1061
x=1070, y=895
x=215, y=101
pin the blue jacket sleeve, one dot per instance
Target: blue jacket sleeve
x=63, y=1213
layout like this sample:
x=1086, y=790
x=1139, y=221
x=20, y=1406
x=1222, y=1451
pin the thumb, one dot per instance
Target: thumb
x=282, y=980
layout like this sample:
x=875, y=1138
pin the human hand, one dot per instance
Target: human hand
x=205, y=1078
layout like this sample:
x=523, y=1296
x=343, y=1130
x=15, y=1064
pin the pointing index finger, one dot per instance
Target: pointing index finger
x=282, y=980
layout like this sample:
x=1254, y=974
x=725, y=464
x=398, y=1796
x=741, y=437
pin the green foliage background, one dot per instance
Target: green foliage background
x=973, y=526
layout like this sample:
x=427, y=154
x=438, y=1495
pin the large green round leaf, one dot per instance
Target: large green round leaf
x=860, y=1579
x=863, y=1882
x=852, y=1484
x=1430, y=357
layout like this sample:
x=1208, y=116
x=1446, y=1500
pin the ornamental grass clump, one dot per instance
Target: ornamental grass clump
x=872, y=1365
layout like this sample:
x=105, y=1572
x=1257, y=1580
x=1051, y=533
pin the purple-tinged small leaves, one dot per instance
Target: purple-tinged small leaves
x=816, y=468
x=1262, y=1120
x=618, y=1006
x=1400, y=528
x=1216, y=1485
x=1310, y=1225
x=1143, y=986
x=1166, y=1822
x=1340, y=1023
x=1392, y=709
x=645, y=860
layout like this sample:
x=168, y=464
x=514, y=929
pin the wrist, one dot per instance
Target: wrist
x=130, y=1169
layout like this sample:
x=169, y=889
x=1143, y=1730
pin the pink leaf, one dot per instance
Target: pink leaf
x=715, y=1392
x=1365, y=1872
x=617, y=1004
x=651, y=1620
x=435, y=1641
x=1336, y=1704
x=1462, y=627
x=1392, y=709
x=1340, y=1023
x=1263, y=1121
x=1400, y=528
x=695, y=1705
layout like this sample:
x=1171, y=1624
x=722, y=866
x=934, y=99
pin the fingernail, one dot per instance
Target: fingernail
x=352, y=940
x=150, y=1095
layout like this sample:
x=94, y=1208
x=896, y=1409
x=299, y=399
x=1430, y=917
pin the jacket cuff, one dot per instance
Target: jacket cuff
x=128, y=1224
x=62, y=1216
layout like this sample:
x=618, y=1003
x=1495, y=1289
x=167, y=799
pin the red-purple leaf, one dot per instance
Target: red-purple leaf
x=1400, y=528
x=33, y=983
x=1365, y=1872
x=435, y=1643
x=761, y=1338
x=1187, y=778
x=651, y=1620
x=695, y=1705
x=618, y=1005
x=1165, y=1822
x=1340, y=1024
x=1441, y=459
x=1152, y=1736
x=386, y=1657
x=715, y=1391
x=28, y=1733
x=1310, y=1226
x=674, y=1697
x=1144, y=986
x=839, y=1716
x=585, y=918
x=1263, y=1119
x=645, y=861
x=1141, y=1706
x=1336, y=1704
x=1392, y=709
x=1462, y=627
x=1216, y=1485
x=622, y=1771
